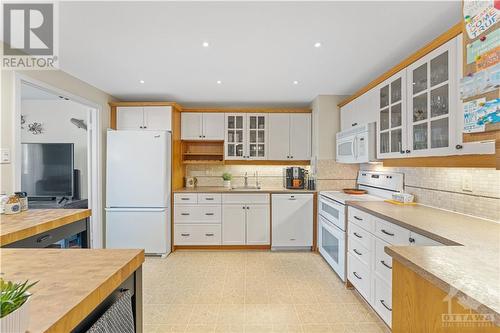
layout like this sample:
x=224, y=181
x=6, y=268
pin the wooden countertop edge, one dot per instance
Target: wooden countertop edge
x=423, y=232
x=43, y=227
x=443, y=285
x=78, y=313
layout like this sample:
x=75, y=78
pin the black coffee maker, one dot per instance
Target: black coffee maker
x=294, y=178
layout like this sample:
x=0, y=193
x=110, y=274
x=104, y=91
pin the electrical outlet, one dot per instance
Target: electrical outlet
x=467, y=183
x=5, y=155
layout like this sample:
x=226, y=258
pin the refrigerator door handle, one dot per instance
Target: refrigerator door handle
x=117, y=209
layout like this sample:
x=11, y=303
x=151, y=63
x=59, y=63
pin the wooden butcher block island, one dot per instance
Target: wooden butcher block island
x=75, y=285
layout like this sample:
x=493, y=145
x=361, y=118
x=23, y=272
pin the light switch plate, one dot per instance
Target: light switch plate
x=4, y=155
x=467, y=183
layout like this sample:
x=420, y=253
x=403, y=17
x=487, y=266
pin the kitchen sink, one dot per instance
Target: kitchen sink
x=246, y=188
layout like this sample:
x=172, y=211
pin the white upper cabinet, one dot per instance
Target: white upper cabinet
x=158, y=118
x=432, y=102
x=300, y=136
x=279, y=136
x=202, y=126
x=289, y=136
x=391, y=106
x=144, y=118
x=213, y=126
x=245, y=136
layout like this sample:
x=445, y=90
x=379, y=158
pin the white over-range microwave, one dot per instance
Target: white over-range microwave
x=357, y=144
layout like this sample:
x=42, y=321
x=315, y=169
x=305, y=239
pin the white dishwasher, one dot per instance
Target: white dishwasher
x=292, y=221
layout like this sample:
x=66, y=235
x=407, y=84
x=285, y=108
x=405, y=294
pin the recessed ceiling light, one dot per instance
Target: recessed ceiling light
x=205, y=44
x=317, y=44
x=141, y=81
x=219, y=82
x=295, y=82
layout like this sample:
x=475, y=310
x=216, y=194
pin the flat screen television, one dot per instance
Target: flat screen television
x=47, y=169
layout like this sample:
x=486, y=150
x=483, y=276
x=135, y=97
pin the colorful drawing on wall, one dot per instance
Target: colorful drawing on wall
x=486, y=17
x=491, y=110
x=488, y=59
x=475, y=7
x=471, y=116
x=481, y=82
x=483, y=45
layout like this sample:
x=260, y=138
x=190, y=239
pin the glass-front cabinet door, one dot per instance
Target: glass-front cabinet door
x=432, y=102
x=256, y=129
x=235, y=136
x=392, y=107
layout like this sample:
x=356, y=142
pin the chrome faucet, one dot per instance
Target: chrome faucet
x=246, y=179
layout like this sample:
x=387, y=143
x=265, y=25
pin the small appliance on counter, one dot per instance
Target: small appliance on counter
x=294, y=178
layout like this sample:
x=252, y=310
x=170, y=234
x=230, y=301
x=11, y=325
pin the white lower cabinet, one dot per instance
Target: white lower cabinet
x=369, y=268
x=246, y=219
x=292, y=220
x=197, y=219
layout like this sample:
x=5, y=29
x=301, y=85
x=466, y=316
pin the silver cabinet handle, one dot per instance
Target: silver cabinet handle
x=387, y=233
x=358, y=218
x=357, y=235
x=185, y=199
x=385, y=306
x=292, y=197
x=209, y=214
x=248, y=207
x=185, y=235
x=210, y=235
x=244, y=207
x=185, y=214
x=358, y=253
x=411, y=240
x=209, y=199
x=356, y=275
x=43, y=238
x=383, y=263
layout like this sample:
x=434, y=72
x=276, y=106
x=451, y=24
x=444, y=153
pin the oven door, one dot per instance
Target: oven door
x=332, y=211
x=332, y=246
x=346, y=150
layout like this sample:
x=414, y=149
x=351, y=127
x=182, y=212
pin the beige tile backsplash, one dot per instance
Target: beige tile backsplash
x=438, y=187
x=211, y=175
x=442, y=188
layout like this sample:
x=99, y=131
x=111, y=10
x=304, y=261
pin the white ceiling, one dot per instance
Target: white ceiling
x=257, y=49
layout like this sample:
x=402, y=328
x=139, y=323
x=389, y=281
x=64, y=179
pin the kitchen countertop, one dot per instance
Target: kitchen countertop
x=35, y=221
x=470, y=264
x=221, y=189
x=61, y=300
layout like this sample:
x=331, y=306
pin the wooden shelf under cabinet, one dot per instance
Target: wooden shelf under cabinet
x=202, y=152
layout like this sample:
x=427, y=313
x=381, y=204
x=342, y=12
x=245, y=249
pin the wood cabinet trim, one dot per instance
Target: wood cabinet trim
x=437, y=42
x=248, y=110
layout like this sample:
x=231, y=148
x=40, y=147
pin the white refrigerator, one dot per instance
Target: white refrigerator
x=138, y=190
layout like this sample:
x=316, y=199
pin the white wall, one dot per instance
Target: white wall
x=55, y=115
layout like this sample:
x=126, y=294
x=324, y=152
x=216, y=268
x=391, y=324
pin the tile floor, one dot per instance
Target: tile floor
x=252, y=291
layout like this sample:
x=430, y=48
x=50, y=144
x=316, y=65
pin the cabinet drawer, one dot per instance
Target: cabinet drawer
x=359, y=276
x=195, y=234
x=383, y=261
x=197, y=214
x=364, y=220
x=382, y=300
x=185, y=198
x=245, y=198
x=391, y=233
x=209, y=198
x=360, y=234
x=419, y=240
x=358, y=250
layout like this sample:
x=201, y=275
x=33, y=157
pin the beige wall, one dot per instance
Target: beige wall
x=325, y=125
x=60, y=80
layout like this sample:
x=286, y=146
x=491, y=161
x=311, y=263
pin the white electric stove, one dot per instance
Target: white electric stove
x=332, y=216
